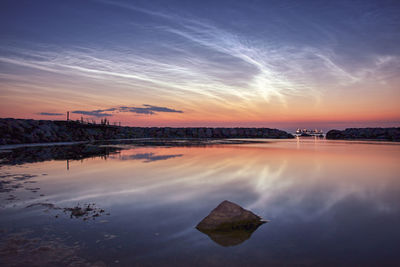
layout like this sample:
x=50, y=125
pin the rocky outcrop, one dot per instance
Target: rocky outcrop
x=229, y=216
x=384, y=134
x=21, y=131
x=229, y=224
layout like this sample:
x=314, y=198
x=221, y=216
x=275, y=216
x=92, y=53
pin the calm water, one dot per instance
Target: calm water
x=329, y=203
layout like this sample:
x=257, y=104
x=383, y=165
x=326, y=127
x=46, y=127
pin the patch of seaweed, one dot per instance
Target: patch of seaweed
x=84, y=212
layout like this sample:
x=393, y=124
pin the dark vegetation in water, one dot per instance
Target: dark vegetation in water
x=84, y=212
x=22, y=131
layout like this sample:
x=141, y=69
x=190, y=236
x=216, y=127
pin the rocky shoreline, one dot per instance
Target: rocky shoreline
x=24, y=131
x=379, y=134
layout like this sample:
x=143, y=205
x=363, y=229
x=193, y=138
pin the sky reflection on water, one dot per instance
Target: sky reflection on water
x=328, y=202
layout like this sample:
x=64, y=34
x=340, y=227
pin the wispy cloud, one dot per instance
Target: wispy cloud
x=280, y=70
x=260, y=71
x=146, y=110
x=192, y=61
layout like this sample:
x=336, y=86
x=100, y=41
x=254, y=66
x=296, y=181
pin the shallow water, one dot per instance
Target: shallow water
x=328, y=203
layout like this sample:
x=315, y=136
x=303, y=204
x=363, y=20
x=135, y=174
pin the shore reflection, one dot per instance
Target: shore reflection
x=322, y=198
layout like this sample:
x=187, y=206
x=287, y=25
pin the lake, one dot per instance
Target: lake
x=328, y=203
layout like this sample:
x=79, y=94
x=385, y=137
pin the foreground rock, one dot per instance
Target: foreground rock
x=21, y=131
x=229, y=216
x=383, y=134
x=229, y=224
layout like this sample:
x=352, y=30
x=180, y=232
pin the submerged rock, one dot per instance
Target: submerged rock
x=229, y=224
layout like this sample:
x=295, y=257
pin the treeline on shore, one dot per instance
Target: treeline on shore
x=21, y=131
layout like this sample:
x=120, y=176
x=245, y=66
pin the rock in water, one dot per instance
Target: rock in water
x=229, y=224
x=229, y=216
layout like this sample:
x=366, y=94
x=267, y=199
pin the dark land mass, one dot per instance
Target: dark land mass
x=383, y=134
x=24, y=131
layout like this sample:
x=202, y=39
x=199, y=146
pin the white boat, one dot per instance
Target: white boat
x=307, y=132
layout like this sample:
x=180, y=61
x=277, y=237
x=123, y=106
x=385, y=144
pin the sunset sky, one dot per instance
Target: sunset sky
x=280, y=64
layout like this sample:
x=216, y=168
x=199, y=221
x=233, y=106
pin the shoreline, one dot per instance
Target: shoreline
x=368, y=134
x=175, y=142
x=29, y=132
x=25, y=131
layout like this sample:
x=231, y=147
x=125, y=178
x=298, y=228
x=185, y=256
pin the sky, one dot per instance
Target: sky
x=278, y=64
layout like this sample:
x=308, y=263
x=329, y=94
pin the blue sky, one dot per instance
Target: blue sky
x=219, y=62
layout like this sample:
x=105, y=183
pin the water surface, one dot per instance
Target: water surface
x=328, y=203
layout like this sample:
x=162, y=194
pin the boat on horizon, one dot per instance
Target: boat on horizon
x=306, y=132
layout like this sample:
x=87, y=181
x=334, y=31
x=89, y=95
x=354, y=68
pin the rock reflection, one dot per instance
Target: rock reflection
x=230, y=238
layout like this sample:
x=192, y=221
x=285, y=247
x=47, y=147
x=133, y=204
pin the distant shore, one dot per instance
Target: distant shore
x=26, y=131
x=377, y=134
